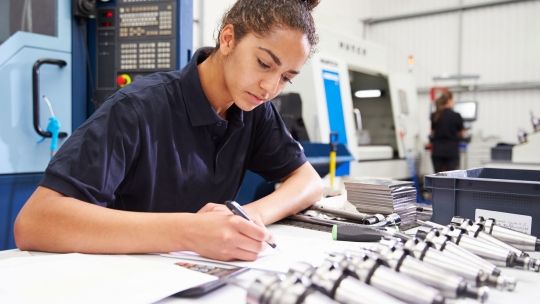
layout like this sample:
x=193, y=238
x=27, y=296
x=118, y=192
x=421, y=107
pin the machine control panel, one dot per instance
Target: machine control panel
x=134, y=38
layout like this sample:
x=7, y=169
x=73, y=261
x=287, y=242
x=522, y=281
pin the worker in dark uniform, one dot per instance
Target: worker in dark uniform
x=150, y=169
x=446, y=132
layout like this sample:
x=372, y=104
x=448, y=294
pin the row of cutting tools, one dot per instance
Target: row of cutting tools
x=460, y=260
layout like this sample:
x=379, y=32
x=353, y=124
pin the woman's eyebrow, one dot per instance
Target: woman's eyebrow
x=276, y=58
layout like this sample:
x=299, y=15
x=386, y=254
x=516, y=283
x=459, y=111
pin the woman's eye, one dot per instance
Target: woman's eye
x=262, y=64
x=286, y=79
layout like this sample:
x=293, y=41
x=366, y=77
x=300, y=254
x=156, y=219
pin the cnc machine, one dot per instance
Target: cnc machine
x=380, y=130
x=74, y=53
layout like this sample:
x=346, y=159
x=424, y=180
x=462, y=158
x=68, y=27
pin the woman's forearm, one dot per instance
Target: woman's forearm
x=297, y=192
x=55, y=223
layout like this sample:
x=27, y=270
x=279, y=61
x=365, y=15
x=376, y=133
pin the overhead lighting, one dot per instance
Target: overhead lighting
x=368, y=93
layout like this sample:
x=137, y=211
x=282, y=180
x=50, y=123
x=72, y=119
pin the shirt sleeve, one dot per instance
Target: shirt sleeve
x=276, y=154
x=94, y=160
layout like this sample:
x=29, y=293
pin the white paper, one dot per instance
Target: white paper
x=82, y=278
x=289, y=250
x=517, y=222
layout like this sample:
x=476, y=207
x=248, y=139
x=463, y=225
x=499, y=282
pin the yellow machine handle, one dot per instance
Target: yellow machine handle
x=332, y=163
x=332, y=168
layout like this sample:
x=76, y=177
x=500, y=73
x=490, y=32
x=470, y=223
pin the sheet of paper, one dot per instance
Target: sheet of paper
x=6, y=254
x=81, y=278
x=517, y=222
x=289, y=250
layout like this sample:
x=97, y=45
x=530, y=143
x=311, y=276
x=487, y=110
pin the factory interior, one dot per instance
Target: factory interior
x=269, y=151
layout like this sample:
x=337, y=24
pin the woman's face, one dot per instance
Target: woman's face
x=257, y=68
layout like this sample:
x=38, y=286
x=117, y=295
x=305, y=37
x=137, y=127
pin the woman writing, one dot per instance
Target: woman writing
x=150, y=169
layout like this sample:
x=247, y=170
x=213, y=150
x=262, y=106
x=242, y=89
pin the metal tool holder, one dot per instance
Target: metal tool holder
x=460, y=260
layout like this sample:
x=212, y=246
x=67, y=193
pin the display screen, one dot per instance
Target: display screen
x=467, y=109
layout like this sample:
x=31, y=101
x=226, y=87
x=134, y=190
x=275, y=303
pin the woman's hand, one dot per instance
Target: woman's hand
x=213, y=207
x=219, y=234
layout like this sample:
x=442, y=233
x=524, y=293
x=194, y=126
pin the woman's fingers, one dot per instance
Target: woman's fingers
x=257, y=220
x=226, y=236
x=207, y=208
x=250, y=229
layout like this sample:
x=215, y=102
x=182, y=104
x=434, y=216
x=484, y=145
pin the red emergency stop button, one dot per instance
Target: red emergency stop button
x=123, y=80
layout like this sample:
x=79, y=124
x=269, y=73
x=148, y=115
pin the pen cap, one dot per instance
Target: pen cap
x=236, y=209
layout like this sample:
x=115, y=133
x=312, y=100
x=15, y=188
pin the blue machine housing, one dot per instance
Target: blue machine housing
x=23, y=157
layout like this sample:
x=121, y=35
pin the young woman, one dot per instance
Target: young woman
x=446, y=132
x=150, y=169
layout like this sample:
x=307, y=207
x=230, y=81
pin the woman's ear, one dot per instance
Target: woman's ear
x=226, y=39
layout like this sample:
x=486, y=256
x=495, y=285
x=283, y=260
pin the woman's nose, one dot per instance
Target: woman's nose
x=270, y=86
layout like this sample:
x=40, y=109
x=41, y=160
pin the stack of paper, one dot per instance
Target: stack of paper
x=384, y=196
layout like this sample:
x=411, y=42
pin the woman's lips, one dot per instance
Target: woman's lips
x=255, y=99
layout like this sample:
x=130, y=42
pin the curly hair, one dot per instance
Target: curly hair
x=261, y=16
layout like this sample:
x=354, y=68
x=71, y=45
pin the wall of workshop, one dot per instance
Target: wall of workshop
x=499, y=43
x=342, y=15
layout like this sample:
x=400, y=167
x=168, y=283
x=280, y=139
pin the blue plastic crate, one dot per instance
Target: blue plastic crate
x=461, y=192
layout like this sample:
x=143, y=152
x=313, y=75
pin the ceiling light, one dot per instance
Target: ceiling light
x=368, y=93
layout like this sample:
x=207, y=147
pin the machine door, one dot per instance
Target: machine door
x=336, y=117
x=31, y=31
x=405, y=111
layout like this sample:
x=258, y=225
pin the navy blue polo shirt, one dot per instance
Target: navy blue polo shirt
x=158, y=145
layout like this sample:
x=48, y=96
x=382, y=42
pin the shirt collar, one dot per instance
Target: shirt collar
x=199, y=109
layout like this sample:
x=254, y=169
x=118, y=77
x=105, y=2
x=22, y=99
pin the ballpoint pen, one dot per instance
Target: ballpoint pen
x=237, y=210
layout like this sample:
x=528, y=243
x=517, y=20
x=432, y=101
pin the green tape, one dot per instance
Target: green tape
x=334, y=232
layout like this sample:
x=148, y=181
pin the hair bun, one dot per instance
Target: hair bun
x=310, y=4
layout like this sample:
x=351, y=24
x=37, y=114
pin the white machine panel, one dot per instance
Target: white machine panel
x=327, y=79
x=405, y=109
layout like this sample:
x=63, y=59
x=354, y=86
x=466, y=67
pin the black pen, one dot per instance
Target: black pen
x=237, y=209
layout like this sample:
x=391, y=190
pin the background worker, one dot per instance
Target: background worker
x=446, y=132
